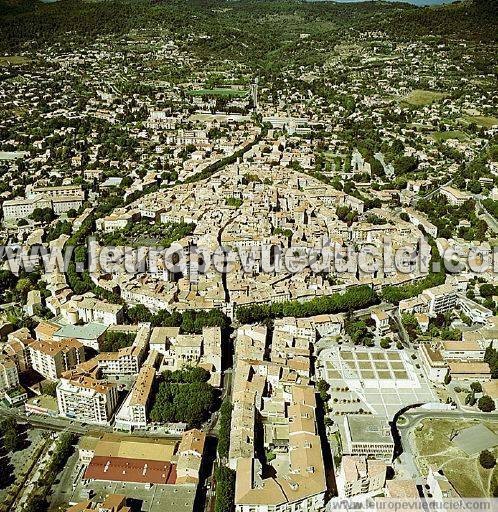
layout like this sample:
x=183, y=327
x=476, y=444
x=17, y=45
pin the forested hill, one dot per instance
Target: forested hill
x=267, y=28
x=477, y=19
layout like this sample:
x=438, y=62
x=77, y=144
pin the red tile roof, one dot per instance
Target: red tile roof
x=120, y=469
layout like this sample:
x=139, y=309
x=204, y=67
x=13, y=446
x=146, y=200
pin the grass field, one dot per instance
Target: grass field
x=434, y=448
x=420, y=98
x=454, y=134
x=484, y=121
x=228, y=93
x=10, y=60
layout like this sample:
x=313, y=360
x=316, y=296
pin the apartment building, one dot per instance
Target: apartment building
x=86, y=399
x=52, y=358
x=135, y=408
x=15, y=209
x=9, y=377
x=46, y=330
x=59, y=199
x=74, y=191
x=127, y=360
x=455, y=197
x=17, y=348
x=441, y=298
x=359, y=475
x=190, y=452
x=94, y=310
x=477, y=313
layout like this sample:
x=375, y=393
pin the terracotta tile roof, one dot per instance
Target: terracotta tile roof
x=119, y=469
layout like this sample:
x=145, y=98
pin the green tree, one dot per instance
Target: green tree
x=182, y=398
x=11, y=440
x=323, y=387
x=139, y=313
x=49, y=388
x=225, y=428
x=476, y=387
x=486, y=404
x=487, y=459
x=225, y=489
x=36, y=503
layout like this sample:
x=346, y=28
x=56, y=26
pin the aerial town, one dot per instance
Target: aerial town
x=231, y=288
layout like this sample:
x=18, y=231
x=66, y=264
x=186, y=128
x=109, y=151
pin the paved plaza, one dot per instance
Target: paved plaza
x=374, y=381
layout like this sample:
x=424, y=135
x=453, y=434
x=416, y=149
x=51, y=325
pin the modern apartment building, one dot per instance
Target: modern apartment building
x=52, y=358
x=441, y=298
x=9, y=377
x=86, y=399
x=127, y=360
x=134, y=411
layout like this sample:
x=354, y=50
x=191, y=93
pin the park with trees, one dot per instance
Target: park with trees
x=184, y=396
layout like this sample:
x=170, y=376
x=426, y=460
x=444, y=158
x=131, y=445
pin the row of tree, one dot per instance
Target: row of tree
x=190, y=321
x=63, y=449
x=225, y=424
x=355, y=298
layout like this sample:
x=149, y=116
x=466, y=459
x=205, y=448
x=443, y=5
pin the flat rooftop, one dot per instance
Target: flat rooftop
x=146, y=448
x=177, y=498
x=89, y=331
x=369, y=429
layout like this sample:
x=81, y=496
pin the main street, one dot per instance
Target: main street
x=55, y=424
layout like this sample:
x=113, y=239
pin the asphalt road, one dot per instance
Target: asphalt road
x=54, y=424
x=415, y=416
x=490, y=220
